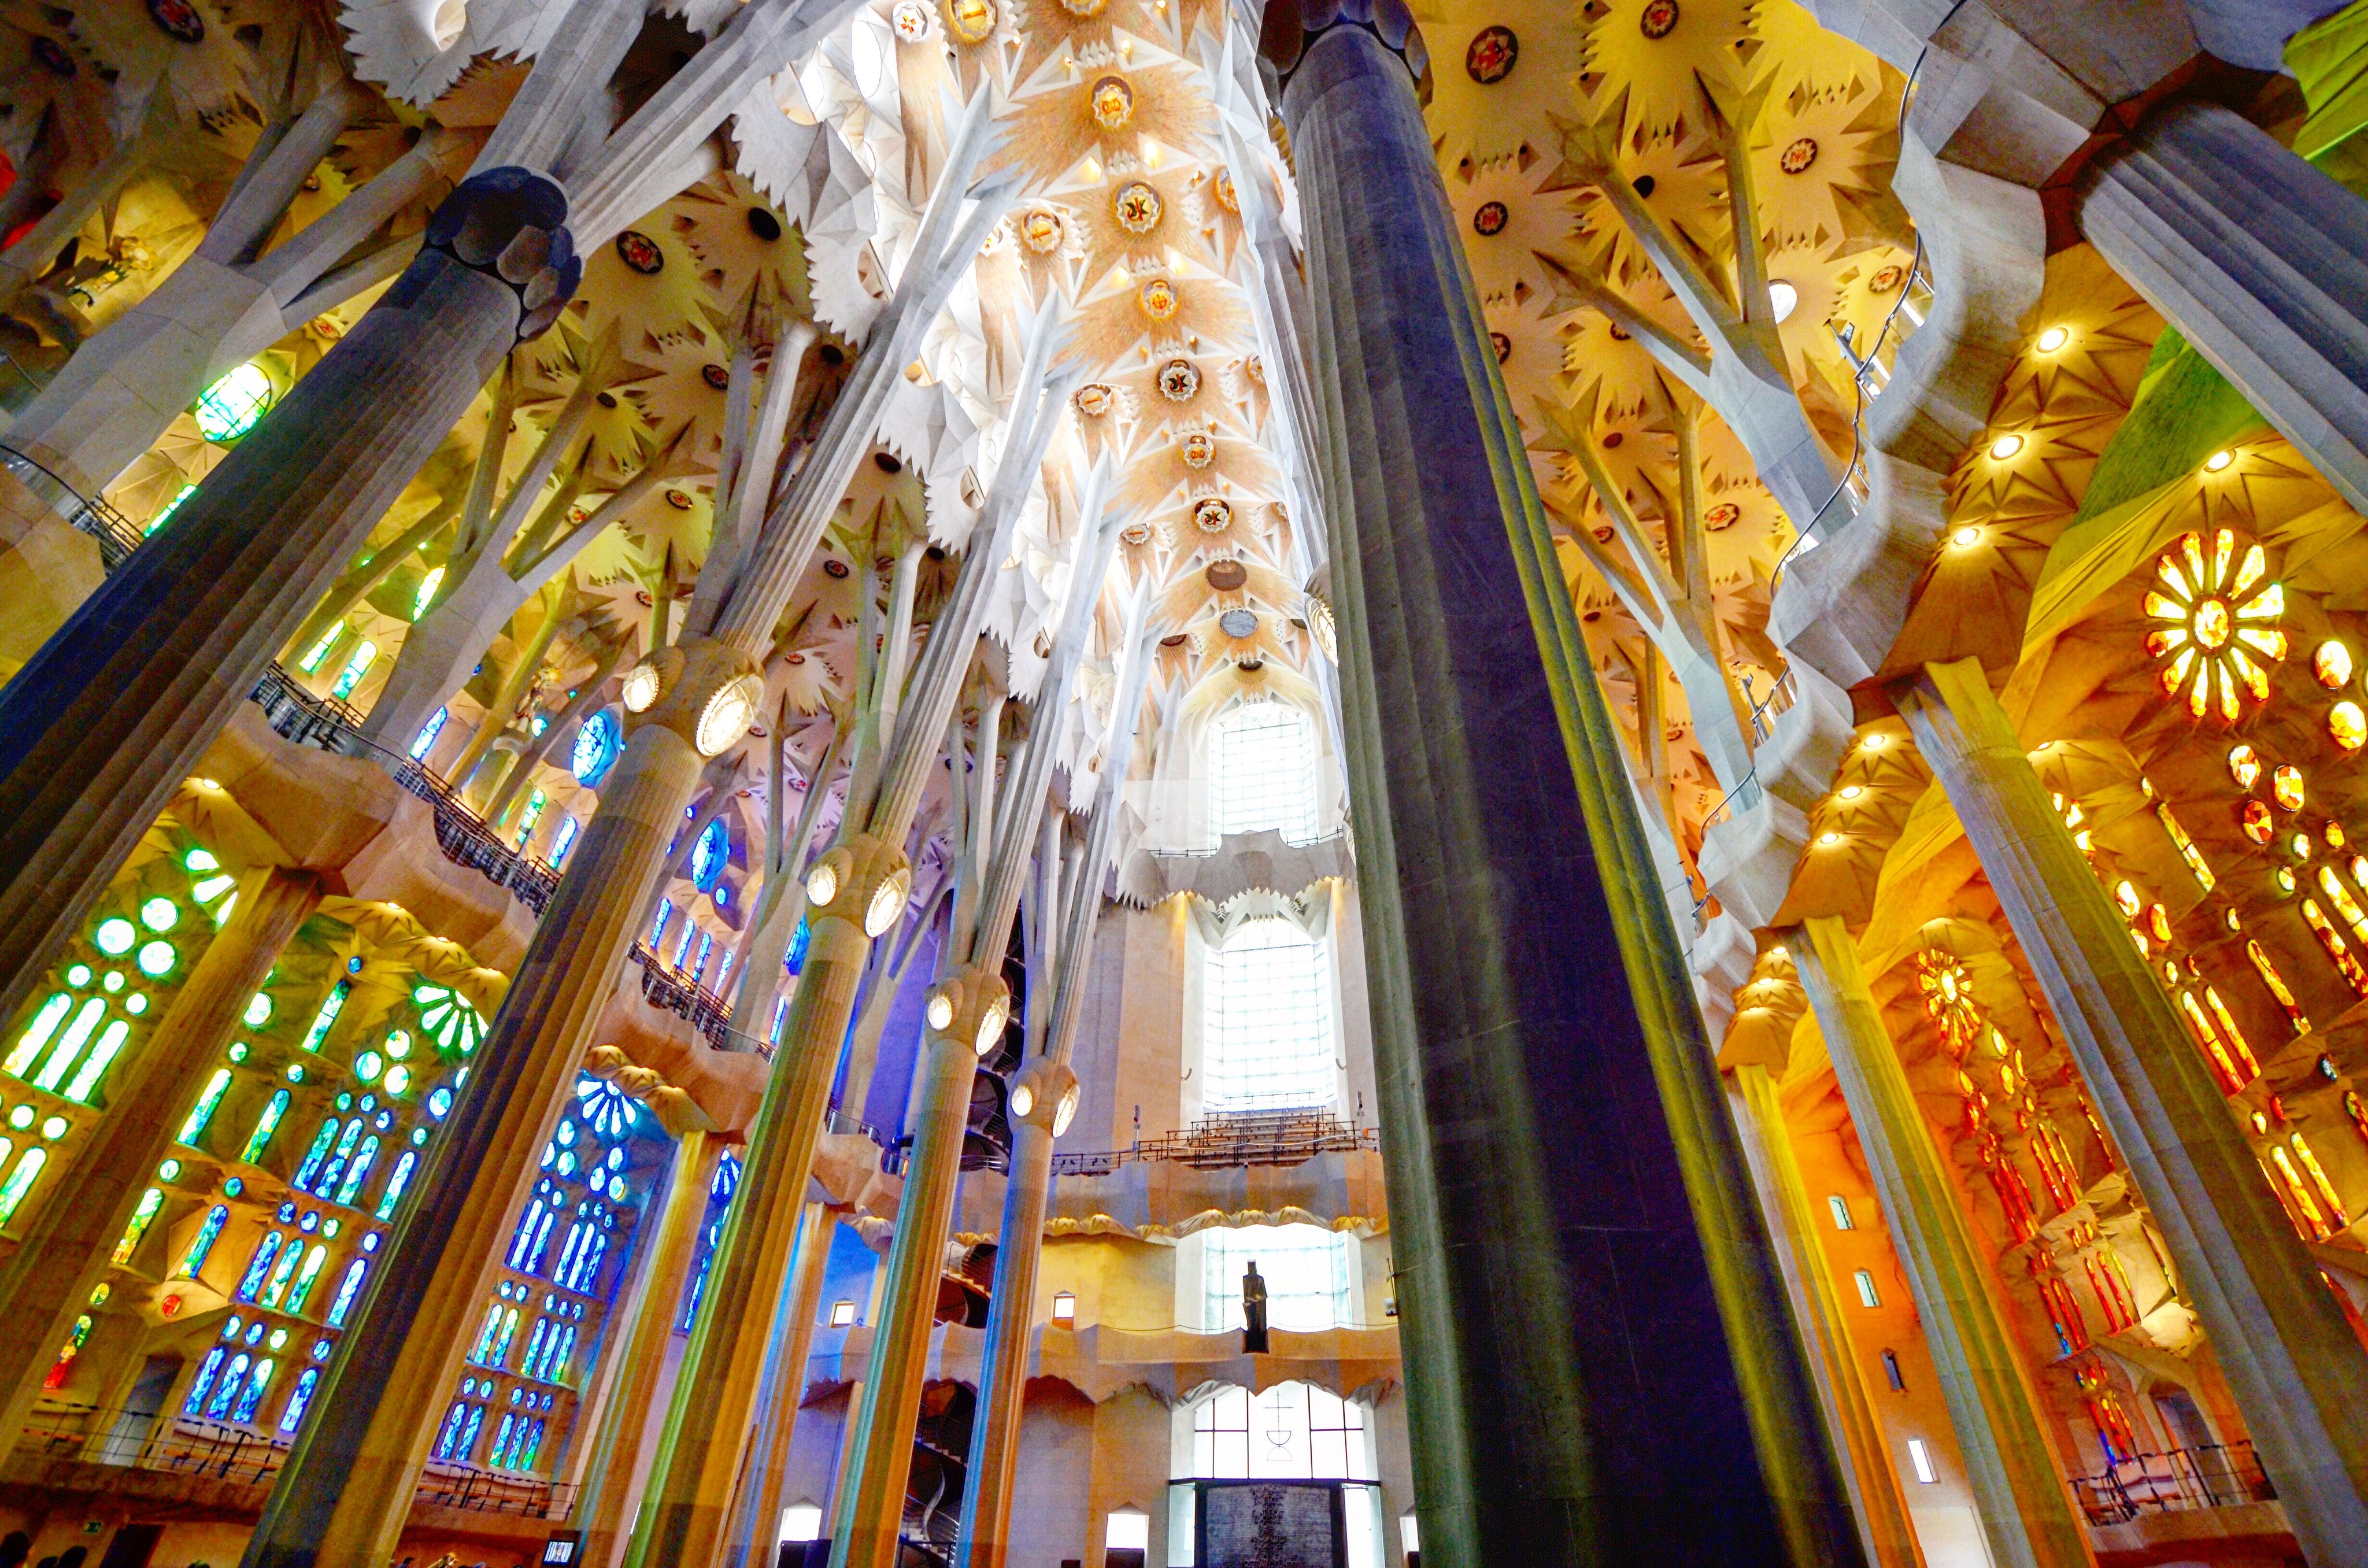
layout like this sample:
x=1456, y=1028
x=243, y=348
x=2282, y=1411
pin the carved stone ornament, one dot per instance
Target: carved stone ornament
x=1136, y=207
x=1179, y=380
x=511, y=225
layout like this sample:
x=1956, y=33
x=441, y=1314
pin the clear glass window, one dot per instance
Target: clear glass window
x=1305, y=1268
x=1262, y=768
x=1266, y=1039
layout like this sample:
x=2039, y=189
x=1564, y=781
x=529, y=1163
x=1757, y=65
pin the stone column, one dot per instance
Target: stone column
x=2260, y=260
x=1890, y=1539
x=602, y=1507
x=108, y=719
x=757, y=1526
x=985, y=1538
x=63, y=1251
x=2299, y=1374
x=1583, y=1255
x=2018, y=1483
x=871, y=1506
x=349, y=1481
x=687, y=1515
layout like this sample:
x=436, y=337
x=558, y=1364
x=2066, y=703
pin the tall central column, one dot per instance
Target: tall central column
x=1601, y=1365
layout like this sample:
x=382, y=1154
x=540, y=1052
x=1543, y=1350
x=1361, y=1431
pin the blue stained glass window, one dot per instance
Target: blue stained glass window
x=395, y=1185
x=293, y=1417
x=597, y=741
x=349, y=1289
x=233, y=1377
x=216, y=1218
x=713, y=853
x=424, y=741
x=265, y=1251
x=204, y=1382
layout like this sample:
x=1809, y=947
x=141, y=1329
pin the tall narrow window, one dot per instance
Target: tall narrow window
x=1841, y=1206
x=1267, y=1041
x=1867, y=1294
x=1262, y=768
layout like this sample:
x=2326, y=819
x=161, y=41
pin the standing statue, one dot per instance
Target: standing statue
x=1253, y=1311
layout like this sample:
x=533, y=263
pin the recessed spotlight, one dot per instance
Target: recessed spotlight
x=2218, y=461
x=2053, y=338
x=1852, y=791
x=2006, y=447
x=1829, y=838
x=1784, y=298
x=1966, y=536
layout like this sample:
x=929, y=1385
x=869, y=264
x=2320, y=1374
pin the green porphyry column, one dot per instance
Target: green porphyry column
x=1601, y=1363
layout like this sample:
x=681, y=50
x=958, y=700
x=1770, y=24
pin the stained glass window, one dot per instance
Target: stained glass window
x=597, y=740
x=2216, y=623
x=234, y=404
x=711, y=854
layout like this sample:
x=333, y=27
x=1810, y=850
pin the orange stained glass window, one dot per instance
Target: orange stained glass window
x=2209, y=1039
x=2318, y=1179
x=2338, y=949
x=2309, y=1223
x=2268, y=971
x=2245, y=1058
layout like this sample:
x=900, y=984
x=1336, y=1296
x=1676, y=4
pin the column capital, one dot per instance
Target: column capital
x=862, y=884
x=703, y=689
x=511, y=225
x=971, y=1007
x=1292, y=24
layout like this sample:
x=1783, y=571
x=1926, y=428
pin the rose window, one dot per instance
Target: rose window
x=2211, y=631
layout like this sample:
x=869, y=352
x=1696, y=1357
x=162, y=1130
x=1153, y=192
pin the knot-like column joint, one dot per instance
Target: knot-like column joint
x=1292, y=24
x=703, y=689
x=511, y=225
x=971, y=1007
x=1046, y=1095
x=854, y=894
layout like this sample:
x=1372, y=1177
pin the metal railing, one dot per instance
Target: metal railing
x=189, y=1446
x=2219, y=1475
x=117, y=535
x=1228, y=1143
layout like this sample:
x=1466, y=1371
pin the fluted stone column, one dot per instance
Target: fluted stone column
x=2018, y=1483
x=602, y=1507
x=872, y=1506
x=104, y=722
x=1601, y=1364
x=756, y=1517
x=1890, y=1539
x=687, y=1515
x=2299, y=1374
x=2260, y=260
x=63, y=1250
x=985, y=1538
x=349, y=1481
